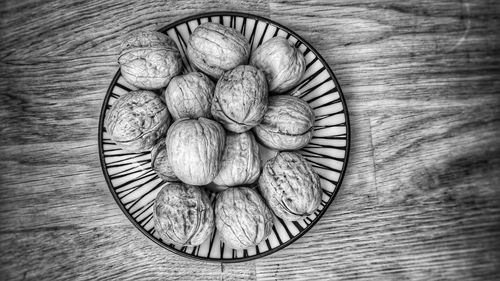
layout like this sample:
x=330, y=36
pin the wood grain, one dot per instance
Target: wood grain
x=428, y=242
x=420, y=200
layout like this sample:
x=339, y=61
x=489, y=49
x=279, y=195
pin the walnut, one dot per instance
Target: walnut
x=290, y=186
x=149, y=59
x=240, y=98
x=287, y=124
x=137, y=120
x=281, y=62
x=194, y=149
x=183, y=214
x=240, y=160
x=160, y=164
x=189, y=96
x=214, y=48
x=242, y=218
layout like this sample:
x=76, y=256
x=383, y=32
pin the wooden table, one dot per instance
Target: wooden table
x=421, y=197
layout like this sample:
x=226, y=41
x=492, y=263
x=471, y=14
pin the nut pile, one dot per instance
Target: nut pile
x=205, y=128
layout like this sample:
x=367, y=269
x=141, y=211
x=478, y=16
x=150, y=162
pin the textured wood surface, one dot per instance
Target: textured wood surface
x=421, y=197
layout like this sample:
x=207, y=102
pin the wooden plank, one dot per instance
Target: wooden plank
x=89, y=253
x=428, y=242
x=444, y=155
x=358, y=188
x=47, y=185
x=238, y=271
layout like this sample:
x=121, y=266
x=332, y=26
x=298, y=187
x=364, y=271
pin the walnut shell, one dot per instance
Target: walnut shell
x=287, y=124
x=189, y=96
x=183, y=214
x=290, y=186
x=240, y=98
x=194, y=149
x=242, y=218
x=240, y=160
x=137, y=120
x=160, y=163
x=281, y=62
x=214, y=48
x=149, y=59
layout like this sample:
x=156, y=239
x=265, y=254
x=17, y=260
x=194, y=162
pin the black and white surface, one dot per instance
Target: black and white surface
x=420, y=197
x=134, y=184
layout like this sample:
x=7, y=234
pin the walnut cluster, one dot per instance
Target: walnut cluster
x=222, y=114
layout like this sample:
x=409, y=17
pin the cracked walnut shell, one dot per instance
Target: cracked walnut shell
x=137, y=120
x=183, y=214
x=242, y=218
x=149, y=59
x=290, y=186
